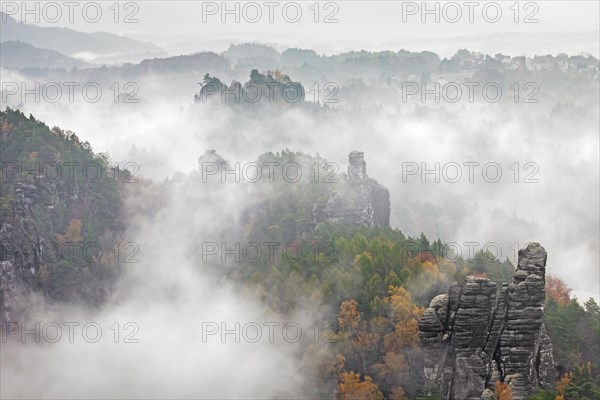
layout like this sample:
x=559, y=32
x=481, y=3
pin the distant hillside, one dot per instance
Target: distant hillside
x=17, y=54
x=197, y=62
x=43, y=211
x=194, y=65
x=71, y=42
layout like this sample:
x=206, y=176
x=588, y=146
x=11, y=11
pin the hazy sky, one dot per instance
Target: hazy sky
x=360, y=24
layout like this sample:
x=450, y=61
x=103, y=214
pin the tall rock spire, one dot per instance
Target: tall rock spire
x=478, y=334
x=358, y=199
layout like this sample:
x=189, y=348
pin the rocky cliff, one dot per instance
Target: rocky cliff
x=360, y=199
x=51, y=210
x=479, y=333
x=21, y=246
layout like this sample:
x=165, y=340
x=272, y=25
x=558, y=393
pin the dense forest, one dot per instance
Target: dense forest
x=61, y=211
x=300, y=200
x=370, y=283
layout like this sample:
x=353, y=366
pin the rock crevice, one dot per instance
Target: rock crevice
x=359, y=200
x=480, y=333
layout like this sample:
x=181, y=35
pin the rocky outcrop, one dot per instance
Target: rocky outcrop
x=479, y=333
x=261, y=89
x=21, y=245
x=359, y=200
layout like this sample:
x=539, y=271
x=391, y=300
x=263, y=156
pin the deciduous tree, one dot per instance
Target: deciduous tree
x=351, y=387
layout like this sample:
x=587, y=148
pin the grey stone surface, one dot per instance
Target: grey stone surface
x=21, y=245
x=360, y=199
x=479, y=333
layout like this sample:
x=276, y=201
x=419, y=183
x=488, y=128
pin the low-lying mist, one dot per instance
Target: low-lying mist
x=173, y=304
x=169, y=294
x=555, y=148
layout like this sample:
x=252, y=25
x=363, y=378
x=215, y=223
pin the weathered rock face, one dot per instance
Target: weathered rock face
x=478, y=334
x=364, y=201
x=29, y=248
x=21, y=245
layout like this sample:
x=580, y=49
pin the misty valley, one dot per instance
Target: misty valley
x=300, y=200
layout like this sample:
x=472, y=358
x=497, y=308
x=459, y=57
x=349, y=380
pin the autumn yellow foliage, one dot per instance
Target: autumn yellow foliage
x=402, y=306
x=72, y=234
x=561, y=385
x=350, y=387
x=503, y=391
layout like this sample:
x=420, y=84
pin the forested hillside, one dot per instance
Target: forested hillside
x=62, y=227
x=370, y=282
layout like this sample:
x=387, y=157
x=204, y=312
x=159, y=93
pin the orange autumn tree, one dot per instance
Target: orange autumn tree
x=350, y=387
x=349, y=316
x=401, y=304
x=558, y=290
x=562, y=384
x=332, y=370
x=393, y=372
x=405, y=317
x=503, y=391
x=72, y=234
x=354, y=330
x=335, y=367
x=400, y=345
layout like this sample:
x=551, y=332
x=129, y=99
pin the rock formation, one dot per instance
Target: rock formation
x=21, y=245
x=272, y=87
x=479, y=333
x=360, y=199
